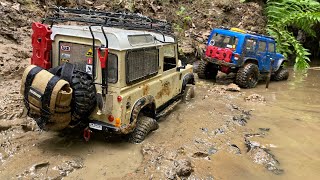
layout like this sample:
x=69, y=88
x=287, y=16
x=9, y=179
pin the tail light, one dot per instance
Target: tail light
x=119, y=98
x=236, y=56
x=111, y=118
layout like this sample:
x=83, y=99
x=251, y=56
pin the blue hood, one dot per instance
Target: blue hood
x=279, y=56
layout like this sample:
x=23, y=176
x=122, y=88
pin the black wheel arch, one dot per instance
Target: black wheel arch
x=187, y=79
x=147, y=106
x=250, y=60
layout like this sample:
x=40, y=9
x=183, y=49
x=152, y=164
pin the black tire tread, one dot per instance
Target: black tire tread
x=281, y=75
x=144, y=126
x=84, y=95
x=207, y=70
x=243, y=76
x=188, y=93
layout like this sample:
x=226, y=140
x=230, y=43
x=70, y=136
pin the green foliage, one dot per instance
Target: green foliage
x=184, y=20
x=301, y=14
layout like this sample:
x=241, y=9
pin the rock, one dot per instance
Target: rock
x=212, y=150
x=241, y=119
x=233, y=87
x=37, y=166
x=255, y=98
x=183, y=167
x=101, y=7
x=234, y=149
x=200, y=155
x=264, y=157
x=264, y=129
x=16, y=6
x=88, y=2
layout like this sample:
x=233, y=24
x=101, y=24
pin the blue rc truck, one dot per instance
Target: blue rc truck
x=247, y=54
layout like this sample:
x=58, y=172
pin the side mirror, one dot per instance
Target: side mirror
x=180, y=67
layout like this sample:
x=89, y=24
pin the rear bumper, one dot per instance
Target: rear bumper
x=102, y=126
x=219, y=62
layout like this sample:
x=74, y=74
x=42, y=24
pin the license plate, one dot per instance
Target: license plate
x=95, y=126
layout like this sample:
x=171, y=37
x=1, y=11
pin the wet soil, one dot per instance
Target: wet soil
x=218, y=135
x=224, y=133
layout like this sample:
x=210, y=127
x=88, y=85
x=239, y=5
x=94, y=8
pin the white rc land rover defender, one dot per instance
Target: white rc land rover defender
x=122, y=70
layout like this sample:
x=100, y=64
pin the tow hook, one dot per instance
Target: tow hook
x=87, y=134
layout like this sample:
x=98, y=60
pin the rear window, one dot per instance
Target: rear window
x=224, y=41
x=81, y=55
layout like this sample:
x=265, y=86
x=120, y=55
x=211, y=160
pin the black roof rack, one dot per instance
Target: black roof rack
x=128, y=21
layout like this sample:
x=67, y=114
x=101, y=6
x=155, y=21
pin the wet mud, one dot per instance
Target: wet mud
x=221, y=134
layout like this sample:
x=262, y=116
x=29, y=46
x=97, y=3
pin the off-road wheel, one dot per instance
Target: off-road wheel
x=248, y=76
x=84, y=95
x=144, y=126
x=188, y=93
x=281, y=75
x=207, y=70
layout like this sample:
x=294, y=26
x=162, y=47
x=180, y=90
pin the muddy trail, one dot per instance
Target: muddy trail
x=221, y=134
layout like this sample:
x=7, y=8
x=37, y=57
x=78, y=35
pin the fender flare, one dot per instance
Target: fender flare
x=137, y=107
x=250, y=59
x=279, y=63
x=187, y=79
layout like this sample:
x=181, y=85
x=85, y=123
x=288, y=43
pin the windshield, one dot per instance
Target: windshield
x=224, y=41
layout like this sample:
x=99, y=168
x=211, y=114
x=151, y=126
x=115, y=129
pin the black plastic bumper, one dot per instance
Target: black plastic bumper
x=93, y=124
x=219, y=62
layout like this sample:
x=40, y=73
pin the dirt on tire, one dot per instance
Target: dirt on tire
x=144, y=126
x=207, y=70
x=248, y=76
x=188, y=93
x=84, y=95
x=281, y=75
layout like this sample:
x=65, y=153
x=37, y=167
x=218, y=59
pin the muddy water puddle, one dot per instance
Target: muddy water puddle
x=292, y=113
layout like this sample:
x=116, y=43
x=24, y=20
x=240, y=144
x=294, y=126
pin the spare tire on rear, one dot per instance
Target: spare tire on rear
x=84, y=95
x=84, y=92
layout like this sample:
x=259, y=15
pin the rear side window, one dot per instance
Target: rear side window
x=262, y=46
x=141, y=64
x=224, y=41
x=271, y=48
x=141, y=39
x=251, y=45
x=112, y=68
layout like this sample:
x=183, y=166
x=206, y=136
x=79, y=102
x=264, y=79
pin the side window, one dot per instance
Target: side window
x=262, y=46
x=271, y=48
x=251, y=45
x=141, y=64
x=112, y=68
x=169, y=59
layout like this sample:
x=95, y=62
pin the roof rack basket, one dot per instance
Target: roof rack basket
x=128, y=21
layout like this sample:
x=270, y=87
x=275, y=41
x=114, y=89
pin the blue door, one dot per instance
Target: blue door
x=272, y=53
x=263, y=56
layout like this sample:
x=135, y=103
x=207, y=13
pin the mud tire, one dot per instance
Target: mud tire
x=207, y=70
x=281, y=75
x=84, y=95
x=248, y=76
x=144, y=126
x=188, y=93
